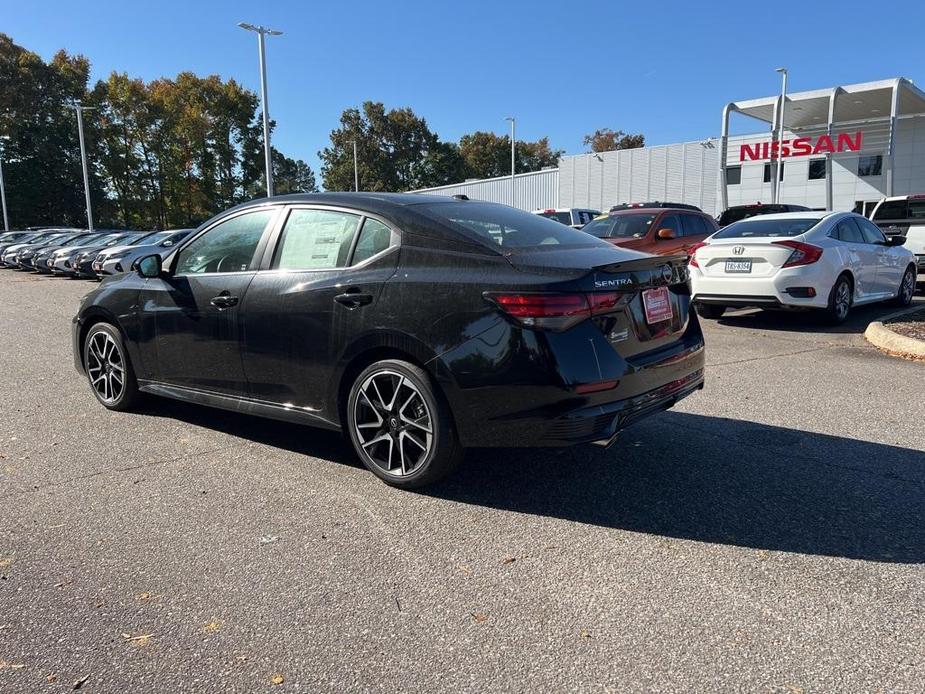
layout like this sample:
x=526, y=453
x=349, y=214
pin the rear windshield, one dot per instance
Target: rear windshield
x=505, y=227
x=900, y=210
x=564, y=217
x=621, y=226
x=759, y=227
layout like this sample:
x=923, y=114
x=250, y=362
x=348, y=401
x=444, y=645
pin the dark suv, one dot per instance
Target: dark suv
x=737, y=213
x=417, y=324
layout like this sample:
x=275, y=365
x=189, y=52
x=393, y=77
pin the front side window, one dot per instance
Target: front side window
x=848, y=231
x=816, y=169
x=870, y=166
x=672, y=222
x=316, y=239
x=871, y=231
x=227, y=247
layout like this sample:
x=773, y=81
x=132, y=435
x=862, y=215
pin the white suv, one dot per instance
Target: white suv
x=575, y=217
x=904, y=215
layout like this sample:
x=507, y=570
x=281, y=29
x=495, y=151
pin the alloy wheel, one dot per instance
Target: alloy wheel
x=105, y=367
x=393, y=423
x=908, y=288
x=842, y=299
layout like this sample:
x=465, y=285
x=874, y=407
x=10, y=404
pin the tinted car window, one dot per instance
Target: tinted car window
x=695, y=225
x=316, y=239
x=848, y=231
x=759, y=227
x=497, y=225
x=564, y=217
x=622, y=226
x=891, y=209
x=227, y=247
x=871, y=231
x=673, y=222
x=374, y=238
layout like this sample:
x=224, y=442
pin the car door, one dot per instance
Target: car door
x=862, y=258
x=696, y=228
x=324, y=271
x=672, y=222
x=193, y=311
x=890, y=265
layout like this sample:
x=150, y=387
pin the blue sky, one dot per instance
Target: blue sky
x=562, y=68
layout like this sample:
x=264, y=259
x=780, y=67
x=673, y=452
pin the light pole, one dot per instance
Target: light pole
x=513, y=161
x=261, y=33
x=356, y=170
x=6, y=220
x=779, y=172
x=83, y=158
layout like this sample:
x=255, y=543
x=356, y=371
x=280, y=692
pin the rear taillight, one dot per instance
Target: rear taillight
x=802, y=254
x=556, y=311
x=693, y=250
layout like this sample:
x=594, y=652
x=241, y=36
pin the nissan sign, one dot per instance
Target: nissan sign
x=802, y=146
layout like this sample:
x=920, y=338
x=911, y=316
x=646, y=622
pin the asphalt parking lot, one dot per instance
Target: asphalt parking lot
x=767, y=535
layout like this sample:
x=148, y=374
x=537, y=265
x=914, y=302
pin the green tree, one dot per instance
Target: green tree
x=292, y=175
x=607, y=140
x=396, y=151
x=488, y=155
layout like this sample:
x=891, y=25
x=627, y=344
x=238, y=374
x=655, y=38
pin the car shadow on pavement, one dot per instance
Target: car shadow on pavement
x=808, y=321
x=718, y=480
x=678, y=475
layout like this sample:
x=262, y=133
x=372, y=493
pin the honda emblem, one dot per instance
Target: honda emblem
x=738, y=250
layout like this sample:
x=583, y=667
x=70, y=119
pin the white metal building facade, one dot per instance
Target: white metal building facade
x=843, y=148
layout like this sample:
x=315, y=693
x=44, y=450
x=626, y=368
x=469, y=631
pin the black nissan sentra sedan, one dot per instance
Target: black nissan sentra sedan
x=420, y=325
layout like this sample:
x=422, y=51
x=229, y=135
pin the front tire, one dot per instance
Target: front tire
x=109, y=369
x=840, y=301
x=710, y=311
x=400, y=426
x=906, y=289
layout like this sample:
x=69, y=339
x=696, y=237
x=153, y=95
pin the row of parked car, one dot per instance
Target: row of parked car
x=777, y=256
x=81, y=253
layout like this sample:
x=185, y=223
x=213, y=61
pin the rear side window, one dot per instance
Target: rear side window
x=564, y=217
x=695, y=225
x=374, y=238
x=847, y=231
x=316, y=239
x=762, y=227
x=500, y=226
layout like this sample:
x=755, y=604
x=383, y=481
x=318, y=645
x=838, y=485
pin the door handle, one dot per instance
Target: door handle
x=354, y=298
x=224, y=300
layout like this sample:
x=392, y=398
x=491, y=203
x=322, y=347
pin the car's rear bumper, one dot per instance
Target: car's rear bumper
x=788, y=288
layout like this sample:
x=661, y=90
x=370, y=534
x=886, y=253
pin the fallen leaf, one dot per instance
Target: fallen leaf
x=763, y=553
x=268, y=539
x=509, y=560
x=52, y=678
x=63, y=583
x=464, y=568
x=139, y=640
x=585, y=634
x=5, y=562
x=143, y=596
x=277, y=679
x=480, y=616
x=212, y=627
x=79, y=683
x=17, y=666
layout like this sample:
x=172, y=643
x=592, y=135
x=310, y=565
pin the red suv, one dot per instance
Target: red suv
x=661, y=228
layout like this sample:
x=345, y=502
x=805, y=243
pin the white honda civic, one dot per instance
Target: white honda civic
x=801, y=260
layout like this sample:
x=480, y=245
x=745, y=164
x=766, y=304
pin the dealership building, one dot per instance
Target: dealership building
x=842, y=148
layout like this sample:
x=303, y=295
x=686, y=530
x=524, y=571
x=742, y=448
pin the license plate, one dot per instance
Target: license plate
x=657, y=304
x=738, y=266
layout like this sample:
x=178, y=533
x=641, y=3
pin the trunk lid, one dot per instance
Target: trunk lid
x=654, y=296
x=748, y=257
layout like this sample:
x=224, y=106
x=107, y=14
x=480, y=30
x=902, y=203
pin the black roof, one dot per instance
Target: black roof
x=654, y=204
x=368, y=201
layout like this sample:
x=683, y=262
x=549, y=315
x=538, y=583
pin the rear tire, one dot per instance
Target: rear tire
x=400, y=425
x=710, y=311
x=906, y=289
x=109, y=369
x=841, y=299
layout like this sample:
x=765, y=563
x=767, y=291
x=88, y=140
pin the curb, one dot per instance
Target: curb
x=895, y=344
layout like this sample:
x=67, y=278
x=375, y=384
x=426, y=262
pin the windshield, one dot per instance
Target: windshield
x=501, y=226
x=135, y=240
x=77, y=240
x=621, y=226
x=153, y=239
x=758, y=227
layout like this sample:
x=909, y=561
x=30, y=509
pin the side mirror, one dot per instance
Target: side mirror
x=150, y=266
x=666, y=234
x=897, y=240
